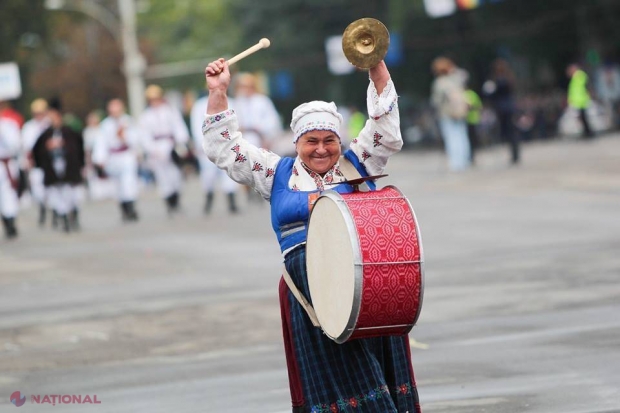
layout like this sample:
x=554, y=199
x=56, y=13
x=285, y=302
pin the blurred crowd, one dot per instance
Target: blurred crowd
x=501, y=110
x=54, y=161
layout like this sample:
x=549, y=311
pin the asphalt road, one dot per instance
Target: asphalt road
x=520, y=310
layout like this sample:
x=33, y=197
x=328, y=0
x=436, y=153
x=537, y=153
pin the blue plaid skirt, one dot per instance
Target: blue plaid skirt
x=364, y=375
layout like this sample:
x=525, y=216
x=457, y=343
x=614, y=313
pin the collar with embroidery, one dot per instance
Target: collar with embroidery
x=305, y=179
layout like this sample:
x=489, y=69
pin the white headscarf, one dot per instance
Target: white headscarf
x=315, y=115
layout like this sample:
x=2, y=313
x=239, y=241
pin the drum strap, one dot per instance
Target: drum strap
x=300, y=297
x=350, y=172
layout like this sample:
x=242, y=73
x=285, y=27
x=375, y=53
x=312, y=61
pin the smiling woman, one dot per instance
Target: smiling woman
x=374, y=374
x=317, y=153
x=316, y=127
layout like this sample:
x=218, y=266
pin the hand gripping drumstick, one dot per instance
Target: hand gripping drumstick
x=262, y=44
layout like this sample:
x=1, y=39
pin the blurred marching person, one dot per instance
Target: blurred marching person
x=500, y=88
x=259, y=120
x=30, y=134
x=9, y=173
x=115, y=152
x=579, y=97
x=163, y=130
x=96, y=181
x=450, y=102
x=91, y=133
x=210, y=174
x=7, y=112
x=59, y=152
x=608, y=90
x=374, y=374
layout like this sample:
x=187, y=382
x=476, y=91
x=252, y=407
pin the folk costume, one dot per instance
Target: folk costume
x=30, y=133
x=116, y=150
x=9, y=170
x=363, y=375
x=62, y=168
x=163, y=129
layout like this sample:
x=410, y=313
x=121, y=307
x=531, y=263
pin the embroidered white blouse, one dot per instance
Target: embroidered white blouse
x=249, y=165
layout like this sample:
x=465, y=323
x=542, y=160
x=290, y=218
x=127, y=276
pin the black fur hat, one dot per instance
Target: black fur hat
x=55, y=104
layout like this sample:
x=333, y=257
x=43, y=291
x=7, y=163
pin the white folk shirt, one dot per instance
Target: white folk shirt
x=245, y=163
x=163, y=127
x=108, y=141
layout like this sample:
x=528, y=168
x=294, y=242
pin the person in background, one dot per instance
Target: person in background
x=449, y=100
x=210, y=175
x=474, y=115
x=30, y=134
x=91, y=132
x=579, y=97
x=7, y=112
x=59, y=152
x=163, y=130
x=500, y=89
x=115, y=151
x=9, y=173
x=95, y=178
x=608, y=90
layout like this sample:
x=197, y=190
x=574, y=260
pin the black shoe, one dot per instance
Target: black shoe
x=129, y=212
x=55, y=219
x=10, y=231
x=208, y=203
x=232, y=207
x=74, y=220
x=172, y=203
x=124, y=215
x=65, y=223
x=42, y=215
x=133, y=215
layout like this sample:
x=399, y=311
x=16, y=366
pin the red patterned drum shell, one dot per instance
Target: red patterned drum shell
x=365, y=264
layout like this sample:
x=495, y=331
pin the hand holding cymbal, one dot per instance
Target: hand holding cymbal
x=365, y=42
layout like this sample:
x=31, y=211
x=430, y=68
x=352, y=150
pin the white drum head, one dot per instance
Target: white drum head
x=331, y=250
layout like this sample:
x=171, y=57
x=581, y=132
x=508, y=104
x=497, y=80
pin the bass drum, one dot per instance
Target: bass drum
x=365, y=264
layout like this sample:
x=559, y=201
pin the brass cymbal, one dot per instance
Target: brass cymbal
x=365, y=42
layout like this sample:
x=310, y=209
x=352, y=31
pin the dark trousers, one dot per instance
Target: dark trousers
x=587, y=130
x=472, y=134
x=508, y=134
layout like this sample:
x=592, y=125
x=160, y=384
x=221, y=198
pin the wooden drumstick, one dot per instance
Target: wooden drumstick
x=262, y=44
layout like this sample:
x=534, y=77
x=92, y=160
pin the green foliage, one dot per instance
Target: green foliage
x=181, y=30
x=22, y=25
x=532, y=34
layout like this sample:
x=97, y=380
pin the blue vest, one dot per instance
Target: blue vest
x=289, y=209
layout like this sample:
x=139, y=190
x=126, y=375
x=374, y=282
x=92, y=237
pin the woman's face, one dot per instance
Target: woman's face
x=319, y=150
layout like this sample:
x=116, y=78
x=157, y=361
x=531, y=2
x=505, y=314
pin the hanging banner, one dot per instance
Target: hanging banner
x=439, y=8
x=467, y=4
x=337, y=62
x=10, y=83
